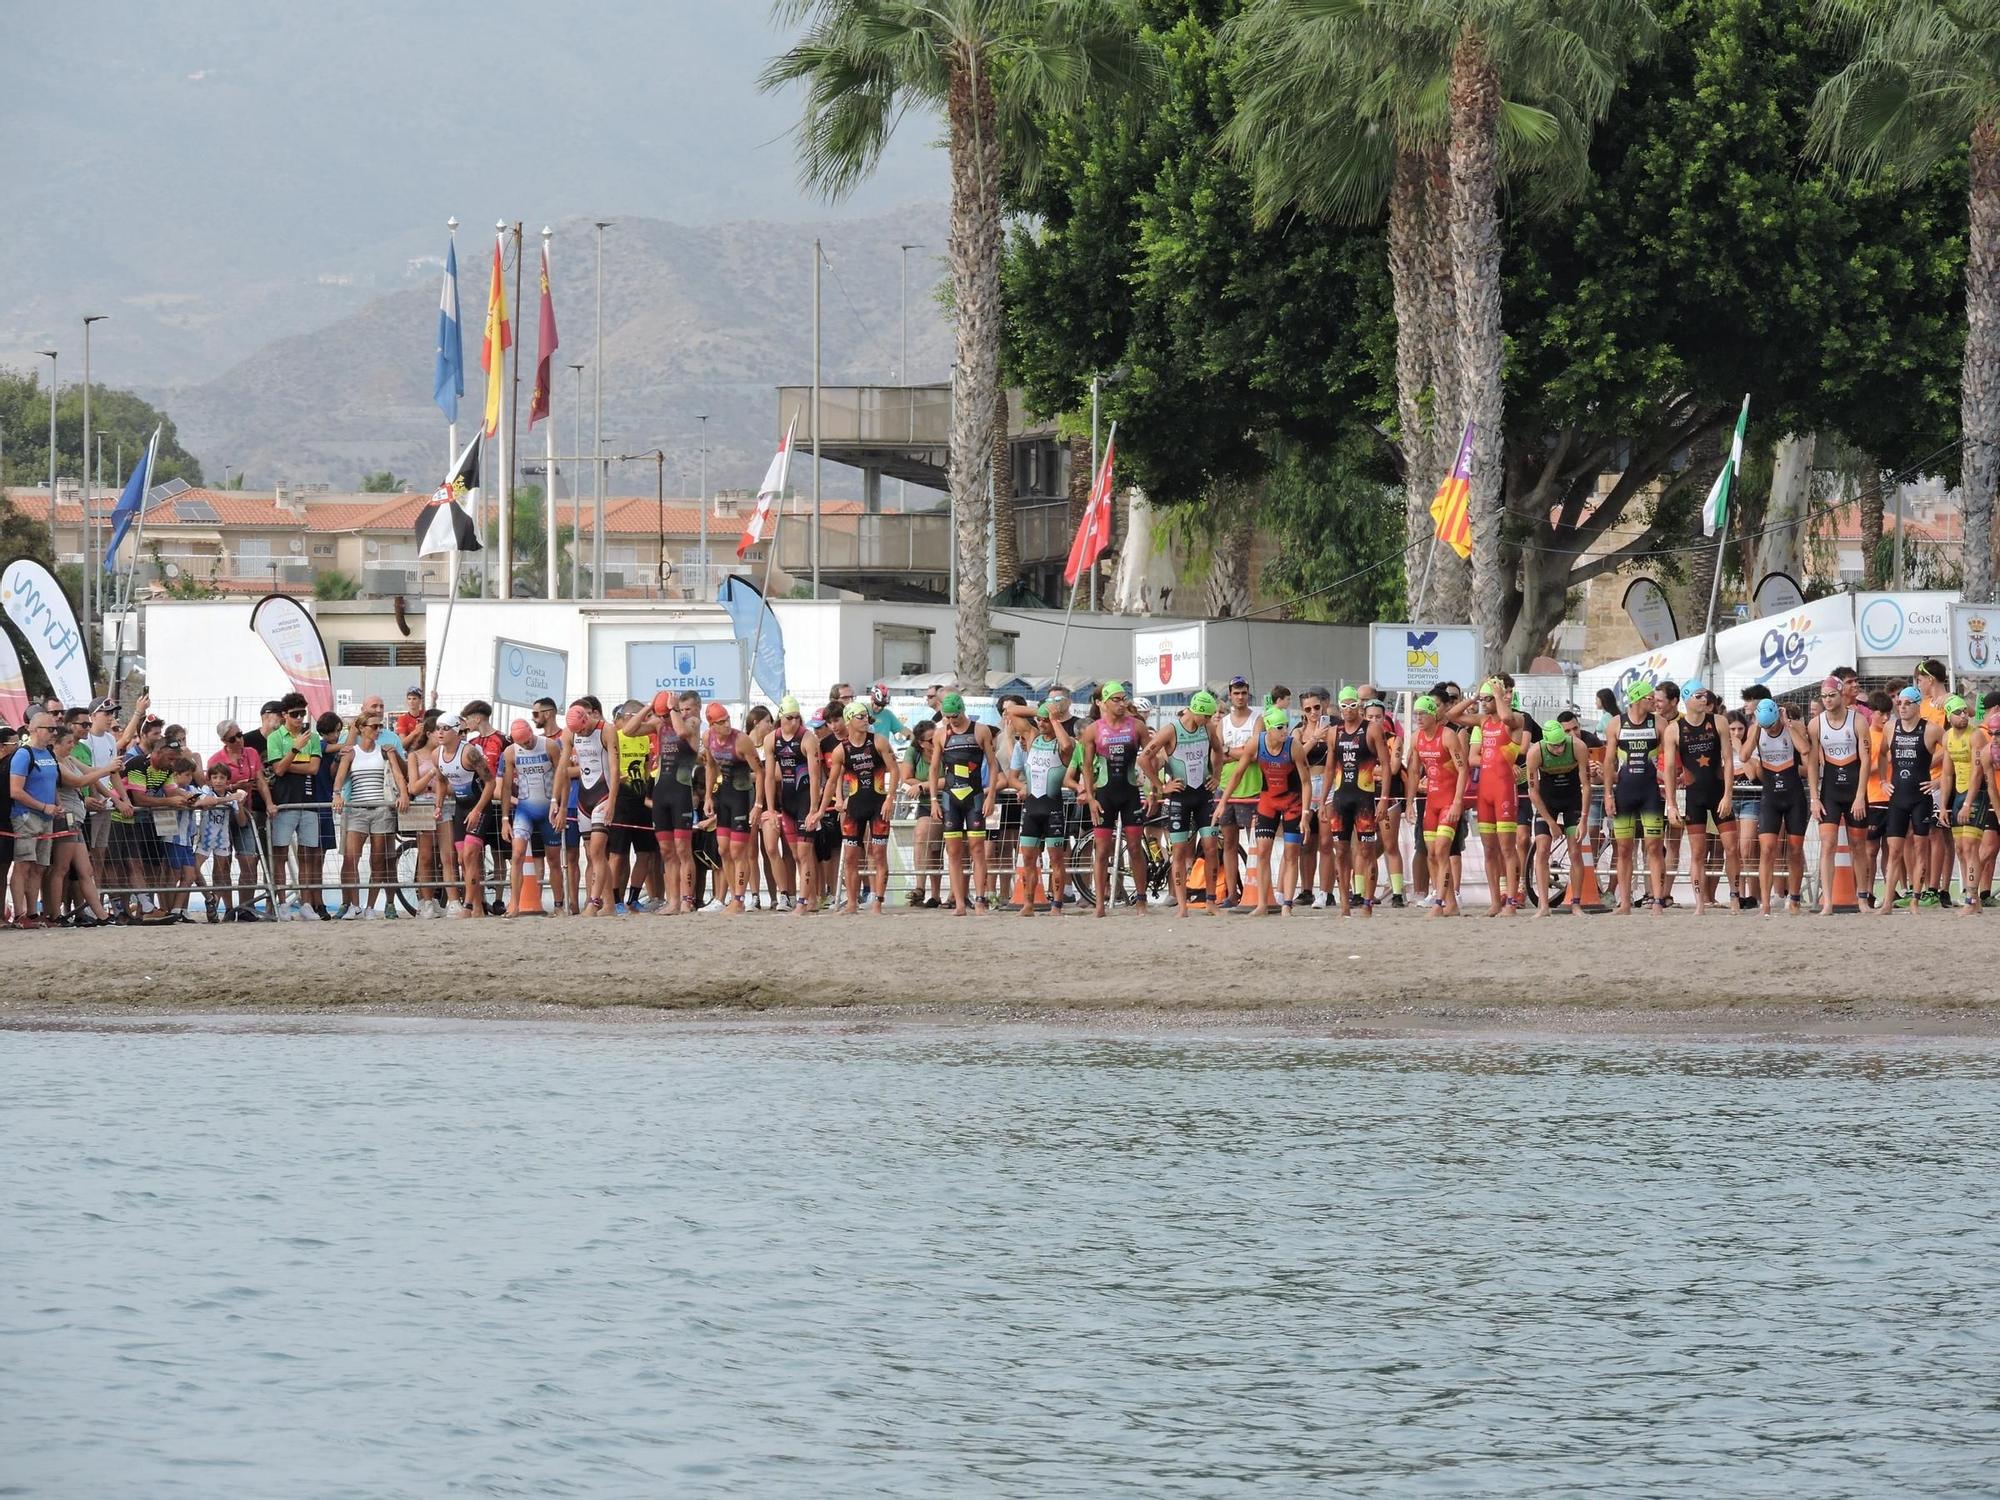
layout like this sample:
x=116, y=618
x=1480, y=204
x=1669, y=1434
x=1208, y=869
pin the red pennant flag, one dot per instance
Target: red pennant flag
x=545, y=358
x=1093, y=532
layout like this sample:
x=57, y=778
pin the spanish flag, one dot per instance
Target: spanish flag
x=1449, y=507
x=499, y=339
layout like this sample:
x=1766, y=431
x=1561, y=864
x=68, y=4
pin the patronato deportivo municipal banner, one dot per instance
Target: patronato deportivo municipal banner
x=36, y=603
x=283, y=625
x=13, y=686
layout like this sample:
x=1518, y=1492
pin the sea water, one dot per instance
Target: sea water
x=381, y=1259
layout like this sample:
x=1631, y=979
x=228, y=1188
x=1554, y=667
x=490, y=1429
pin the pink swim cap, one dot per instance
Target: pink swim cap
x=521, y=733
x=578, y=718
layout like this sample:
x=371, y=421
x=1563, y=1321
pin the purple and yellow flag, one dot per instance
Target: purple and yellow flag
x=1450, y=506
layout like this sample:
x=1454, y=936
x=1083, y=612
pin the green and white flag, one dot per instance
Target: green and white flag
x=1715, y=509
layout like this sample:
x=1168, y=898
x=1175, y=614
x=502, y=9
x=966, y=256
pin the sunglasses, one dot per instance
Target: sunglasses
x=230, y=739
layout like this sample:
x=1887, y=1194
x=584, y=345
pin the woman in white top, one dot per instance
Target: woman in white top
x=368, y=792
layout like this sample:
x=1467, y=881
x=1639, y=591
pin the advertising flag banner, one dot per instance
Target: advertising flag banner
x=13, y=684
x=36, y=604
x=293, y=639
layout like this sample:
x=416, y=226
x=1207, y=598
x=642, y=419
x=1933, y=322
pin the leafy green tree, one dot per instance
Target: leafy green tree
x=992, y=71
x=334, y=585
x=1923, y=89
x=119, y=415
x=381, y=482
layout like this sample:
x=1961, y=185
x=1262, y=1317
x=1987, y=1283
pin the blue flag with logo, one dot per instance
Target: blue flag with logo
x=756, y=625
x=448, y=383
x=134, y=496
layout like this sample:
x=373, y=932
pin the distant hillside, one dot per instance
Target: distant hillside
x=696, y=319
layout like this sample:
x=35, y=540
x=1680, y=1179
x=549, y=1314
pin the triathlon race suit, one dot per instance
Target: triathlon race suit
x=631, y=817
x=1635, y=791
x=863, y=783
x=1991, y=822
x=1958, y=746
x=964, y=761
x=674, y=814
x=1352, y=810
x=1118, y=798
x=1041, y=766
x=826, y=839
x=1785, y=808
x=1440, y=784
x=734, y=778
x=1495, y=801
x=1190, y=811
x=1562, y=790
x=1239, y=787
x=461, y=791
x=1278, y=803
x=1909, y=768
x=1840, y=774
x=593, y=784
x=534, y=781
x=1701, y=768
x=794, y=761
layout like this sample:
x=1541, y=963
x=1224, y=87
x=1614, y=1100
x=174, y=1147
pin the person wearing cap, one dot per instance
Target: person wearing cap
x=1493, y=749
x=295, y=750
x=244, y=768
x=791, y=800
x=1283, y=762
x=1396, y=790
x=1667, y=712
x=466, y=786
x=1837, y=742
x=1989, y=780
x=591, y=751
x=33, y=776
x=1558, y=781
x=670, y=726
x=1632, y=797
x=1240, y=785
x=861, y=788
x=1908, y=751
x=1315, y=733
x=962, y=787
x=1036, y=772
x=1435, y=767
x=1935, y=884
x=732, y=801
x=1354, y=802
x=1695, y=763
x=529, y=766
x=1111, y=778
x=1962, y=794
x=1781, y=754
x=1181, y=758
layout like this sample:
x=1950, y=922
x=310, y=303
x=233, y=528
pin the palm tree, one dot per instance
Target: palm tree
x=1925, y=83
x=990, y=69
x=1353, y=102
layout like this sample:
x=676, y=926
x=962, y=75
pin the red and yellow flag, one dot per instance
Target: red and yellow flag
x=1450, y=507
x=545, y=356
x=499, y=339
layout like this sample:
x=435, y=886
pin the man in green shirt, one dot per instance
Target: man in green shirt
x=292, y=751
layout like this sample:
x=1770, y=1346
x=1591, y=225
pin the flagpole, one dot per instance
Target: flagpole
x=513, y=399
x=1424, y=588
x=451, y=426
x=138, y=546
x=1099, y=479
x=548, y=449
x=1727, y=482
x=771, y=551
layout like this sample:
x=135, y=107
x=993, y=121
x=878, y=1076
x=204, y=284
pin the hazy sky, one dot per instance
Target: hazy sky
x=233, y=150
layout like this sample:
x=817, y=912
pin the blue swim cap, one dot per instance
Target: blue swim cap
x=1912, y=694
x=1691, y=687
x=1767, y=713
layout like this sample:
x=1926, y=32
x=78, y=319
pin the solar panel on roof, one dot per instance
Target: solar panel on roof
x=197, y=510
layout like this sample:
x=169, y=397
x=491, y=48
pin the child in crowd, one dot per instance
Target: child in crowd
x=183, y=864
x=218, y=811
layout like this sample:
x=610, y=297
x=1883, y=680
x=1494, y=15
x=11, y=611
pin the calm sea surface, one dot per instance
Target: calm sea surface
x=394, y=1259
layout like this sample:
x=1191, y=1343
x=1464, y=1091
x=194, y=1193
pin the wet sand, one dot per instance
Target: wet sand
x=1397, y=973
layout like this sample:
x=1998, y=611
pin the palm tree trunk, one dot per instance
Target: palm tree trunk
x=1227, y=587
x=1006, y=535
x=1410, y=297
x=1979, y=398
x=973, y=248
x=1871, y=521
x=1474, y=158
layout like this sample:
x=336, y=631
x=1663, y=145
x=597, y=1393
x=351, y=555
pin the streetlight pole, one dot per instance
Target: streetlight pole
x=91, y=596
x=575, y=500
x=701, y=588
x=659, y=458
x=548, y=449
x=815, y=422
x=903, y=373
x=597, y=426
x=50, y=355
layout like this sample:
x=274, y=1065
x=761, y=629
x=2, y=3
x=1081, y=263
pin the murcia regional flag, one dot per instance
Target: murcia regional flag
x=771, y=492
x=443, y=526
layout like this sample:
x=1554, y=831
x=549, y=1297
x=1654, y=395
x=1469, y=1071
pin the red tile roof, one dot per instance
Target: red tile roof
x=1947, y=526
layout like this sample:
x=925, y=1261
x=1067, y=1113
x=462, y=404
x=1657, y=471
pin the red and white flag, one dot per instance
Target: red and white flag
x=1093, y=532
x=770, y=493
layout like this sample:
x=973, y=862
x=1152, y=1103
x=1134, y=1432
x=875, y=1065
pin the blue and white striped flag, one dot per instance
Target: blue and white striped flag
x=449, y=382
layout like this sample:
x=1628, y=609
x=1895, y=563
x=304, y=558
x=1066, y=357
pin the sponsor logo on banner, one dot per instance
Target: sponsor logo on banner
x=1420, y=653
x=1650, y=668
x=1881, y=625
x=1786, y=650
x=36, y=603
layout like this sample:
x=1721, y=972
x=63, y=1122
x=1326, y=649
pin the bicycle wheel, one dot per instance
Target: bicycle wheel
x=1081, y=879
x=406, y=873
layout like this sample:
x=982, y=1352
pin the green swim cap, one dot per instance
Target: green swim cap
x=1552, y=732
x=1112, y=690
x=856, y=711
x=1638, y=692
x=1426, y=704
x=1350, y=695
x=787, y=705
x=1202, y=702
x=951, y=703
x=1516, y=704
x=1954, y=704
x=1041, y=710
x=1276, y=718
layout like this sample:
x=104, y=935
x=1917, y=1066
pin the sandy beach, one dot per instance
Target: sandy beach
x=1396, y=973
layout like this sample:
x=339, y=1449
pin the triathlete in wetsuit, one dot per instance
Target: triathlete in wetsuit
x=1182, y=758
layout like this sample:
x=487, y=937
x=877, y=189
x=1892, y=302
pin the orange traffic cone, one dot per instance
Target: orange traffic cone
x=531, y=891
x=1027, y=884
x=1585, y=894
x=1845, y=899
x=1197, y=880
x=1253, y=883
